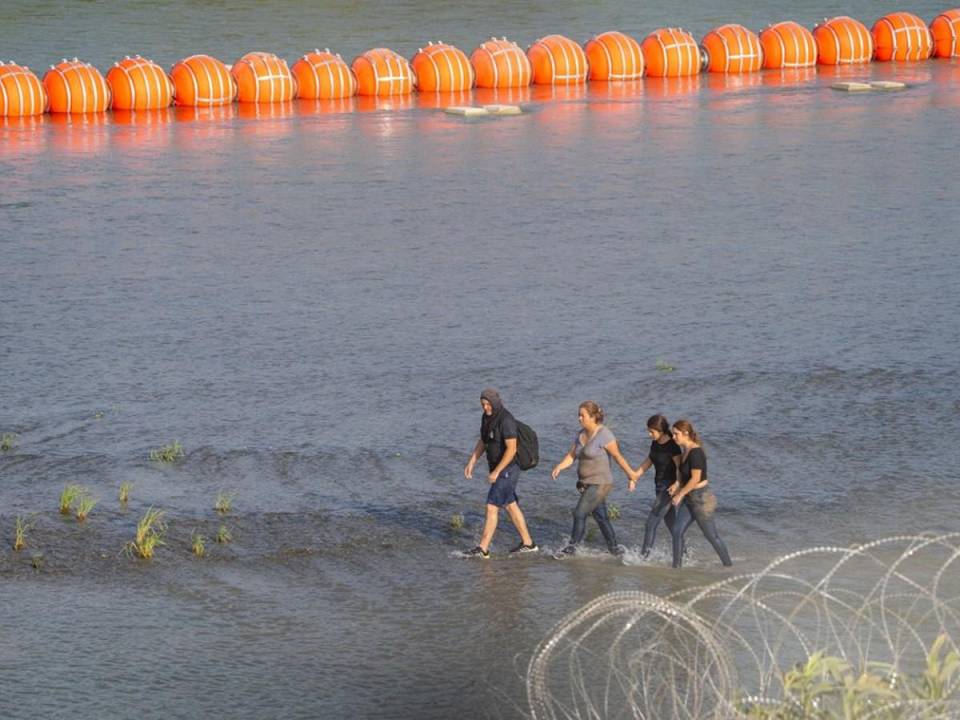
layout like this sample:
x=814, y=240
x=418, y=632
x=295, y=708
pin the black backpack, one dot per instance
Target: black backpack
x=528, y=447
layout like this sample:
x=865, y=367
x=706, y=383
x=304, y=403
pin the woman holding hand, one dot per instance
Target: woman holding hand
x=592, y=448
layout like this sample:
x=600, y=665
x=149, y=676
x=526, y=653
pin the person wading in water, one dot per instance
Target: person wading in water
x=498, y=439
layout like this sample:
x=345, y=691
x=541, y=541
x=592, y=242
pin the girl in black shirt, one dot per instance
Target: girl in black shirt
x=664, y=457
x=691, y=498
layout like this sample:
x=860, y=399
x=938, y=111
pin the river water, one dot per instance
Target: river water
x=310, y=299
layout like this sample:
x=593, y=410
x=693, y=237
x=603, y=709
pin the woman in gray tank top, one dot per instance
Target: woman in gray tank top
x=593, y=448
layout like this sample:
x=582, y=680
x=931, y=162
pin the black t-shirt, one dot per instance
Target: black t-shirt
x=495, y=431
x=696, y=460
x=662, y=458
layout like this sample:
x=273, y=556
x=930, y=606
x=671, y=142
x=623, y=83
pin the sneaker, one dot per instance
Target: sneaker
x=477, y=552
x=521, y=548
x=616, y=550
x=566, y=552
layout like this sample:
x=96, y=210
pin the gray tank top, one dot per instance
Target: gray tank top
x=593, y=466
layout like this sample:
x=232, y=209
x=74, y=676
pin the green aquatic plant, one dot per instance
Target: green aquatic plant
x=85, y=503
x=8, y=441
x=223, y=535
x=224, y=502
x=98, y=415
x=125, y=489
x=828, y=688
x=664, y=366
x=198, y=545
x=168, y=453
x=69, y=497
x=613, y=511
x=149, y=535
x=21, y=527
x=36, y=561
x=457, y=521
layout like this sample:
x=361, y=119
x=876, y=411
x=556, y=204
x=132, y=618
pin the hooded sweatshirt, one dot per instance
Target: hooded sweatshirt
x=497, y=428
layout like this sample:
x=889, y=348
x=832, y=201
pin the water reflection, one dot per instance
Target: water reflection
x=86, y=134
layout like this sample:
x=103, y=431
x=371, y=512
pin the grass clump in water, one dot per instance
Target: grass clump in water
x=8, y=441
x=168, y=453
x=70, y=496
x=224, y=502
x=223, y=535
x=85, y=503
x=21, y=528
x=125, y=489
x=149, y=535
x=613, y=511
x=198, y=545
x=36, y=561
x=664, y=366
x=457, y=521
x=828, y=688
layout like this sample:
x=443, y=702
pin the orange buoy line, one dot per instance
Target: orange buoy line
x=732, y=49
x=136, y=83
x=788, y=45
x=21, y=92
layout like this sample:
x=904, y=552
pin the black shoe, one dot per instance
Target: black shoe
x=477, y=552
x=616, y=550
x=521, y=548
x=568, y=551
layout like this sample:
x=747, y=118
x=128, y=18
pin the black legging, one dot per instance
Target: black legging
x=693, y=508
x=593, y=502
x=662, y=509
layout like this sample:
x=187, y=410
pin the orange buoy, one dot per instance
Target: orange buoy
x=843, y=41
x=262, y=77
x=323, y=76
x=732, y=48
x=21, y=92
x=139, y=84
x=946, y=34
x=74, y=86
x=501, y=64
x=788, y=45
x=202, y=81
x=901, y=36
x=442, y=68
x=557, y=60
x=670, y=52
x=382, y=72
x=614, y=56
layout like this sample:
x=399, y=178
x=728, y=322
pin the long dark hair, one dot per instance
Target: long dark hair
x=658, y=423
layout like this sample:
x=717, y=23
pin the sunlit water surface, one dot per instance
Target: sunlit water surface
x=310, y=298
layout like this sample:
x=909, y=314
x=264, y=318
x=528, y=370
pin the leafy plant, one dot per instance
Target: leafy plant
x=457, y=521
x=223, y=535
x=828, y=688
x=125, y=489
x=198, y=545
x=613, y=511
x=168, y=453
x=224, y=502
x=149, y=535
x=85, y=503
x=36, y=561
x=21, y=528
x=664, y=366
x=69, y=497
x=8, y=441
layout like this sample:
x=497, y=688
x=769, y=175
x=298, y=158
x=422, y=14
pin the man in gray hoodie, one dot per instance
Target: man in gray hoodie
x=498, y=439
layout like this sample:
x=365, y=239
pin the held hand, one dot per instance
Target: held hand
x=632, y=485
x=677, y=499
x=673, y=488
